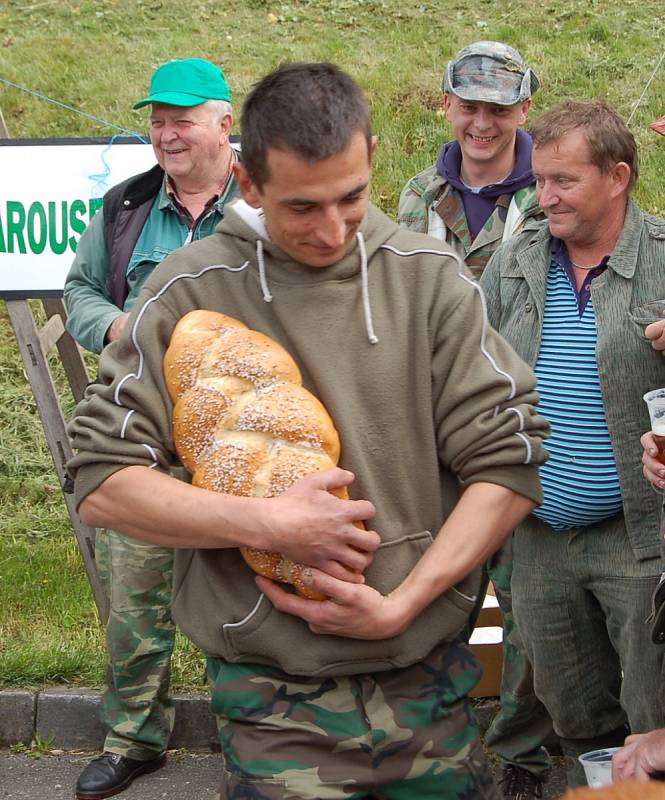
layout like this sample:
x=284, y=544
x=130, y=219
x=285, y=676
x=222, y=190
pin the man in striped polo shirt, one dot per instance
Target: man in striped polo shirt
x=588, y=559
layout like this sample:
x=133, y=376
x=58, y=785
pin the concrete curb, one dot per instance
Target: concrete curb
x=69, y=719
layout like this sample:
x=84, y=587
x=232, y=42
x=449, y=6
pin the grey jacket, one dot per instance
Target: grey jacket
x=515, y=285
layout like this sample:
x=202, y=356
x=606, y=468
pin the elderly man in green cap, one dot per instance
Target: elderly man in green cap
x=143, y=219
x=479, y=193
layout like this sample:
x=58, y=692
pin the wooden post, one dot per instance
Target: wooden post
x=34, y=345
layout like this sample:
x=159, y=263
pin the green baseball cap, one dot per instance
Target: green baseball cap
x=186, y=82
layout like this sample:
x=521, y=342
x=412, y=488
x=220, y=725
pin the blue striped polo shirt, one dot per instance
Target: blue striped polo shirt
x=580, y=481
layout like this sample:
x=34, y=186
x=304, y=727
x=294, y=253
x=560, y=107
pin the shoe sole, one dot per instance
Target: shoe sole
x=151, y=766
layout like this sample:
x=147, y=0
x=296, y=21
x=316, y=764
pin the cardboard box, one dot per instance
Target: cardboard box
x=487, y=645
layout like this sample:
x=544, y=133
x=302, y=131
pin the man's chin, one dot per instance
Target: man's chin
x=557, y=227
x=313, y=256
x=176, y=165
x=323, y=260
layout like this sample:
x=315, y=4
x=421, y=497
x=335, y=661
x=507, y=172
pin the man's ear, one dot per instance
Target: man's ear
x=372, y=147
x=225, y=125
x=620, y=178
x=524, y=110
x=445, y=98
x=248, y=190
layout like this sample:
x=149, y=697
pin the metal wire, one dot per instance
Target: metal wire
x=71, y=108
x=646, y=88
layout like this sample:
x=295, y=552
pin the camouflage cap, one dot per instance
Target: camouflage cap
x=491, y=72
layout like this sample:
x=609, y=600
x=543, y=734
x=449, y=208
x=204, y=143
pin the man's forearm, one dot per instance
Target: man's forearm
x=156, y=508
x=306, y=523
x=479, y=524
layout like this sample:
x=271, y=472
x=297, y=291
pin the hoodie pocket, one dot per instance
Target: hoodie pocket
x=268, y=636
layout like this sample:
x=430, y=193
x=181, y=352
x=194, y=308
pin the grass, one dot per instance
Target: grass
x=97, y=56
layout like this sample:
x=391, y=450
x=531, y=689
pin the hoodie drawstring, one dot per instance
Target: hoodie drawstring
x=367, y=309
x=262, y=272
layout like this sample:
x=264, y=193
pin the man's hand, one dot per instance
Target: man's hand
x=353, y=610
x=653, y=470
x=641, y=755
x=656, y=332
x=360, y=612
x=311, y=526
x=116, y=328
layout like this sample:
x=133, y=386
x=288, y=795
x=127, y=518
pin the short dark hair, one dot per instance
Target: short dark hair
x=606, y=133
x=313, y=110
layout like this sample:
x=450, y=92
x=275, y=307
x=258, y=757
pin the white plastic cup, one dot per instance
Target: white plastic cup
x=655, y=401
x=598, y=766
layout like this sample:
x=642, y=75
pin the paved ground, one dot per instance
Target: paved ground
x=186, y=776
x=69, y=719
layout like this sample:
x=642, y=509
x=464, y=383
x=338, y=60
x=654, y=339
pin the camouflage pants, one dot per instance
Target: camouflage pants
x=399, y=735
x=520, y=730
x=139, y=638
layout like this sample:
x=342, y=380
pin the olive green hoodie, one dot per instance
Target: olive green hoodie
x=427, y=398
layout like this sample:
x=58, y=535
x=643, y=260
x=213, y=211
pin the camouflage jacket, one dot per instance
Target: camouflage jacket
x=429, y=204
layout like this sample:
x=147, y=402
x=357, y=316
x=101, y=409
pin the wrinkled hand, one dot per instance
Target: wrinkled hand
x=353, y=610
x=642, y=754
x=656, y=332
x=653, y=470
x=116, y=328
x=311, y=526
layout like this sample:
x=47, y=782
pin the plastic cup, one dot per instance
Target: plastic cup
x=655, y=401
x=598, y=766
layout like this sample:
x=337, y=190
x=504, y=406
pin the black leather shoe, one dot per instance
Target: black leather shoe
x=111, y=773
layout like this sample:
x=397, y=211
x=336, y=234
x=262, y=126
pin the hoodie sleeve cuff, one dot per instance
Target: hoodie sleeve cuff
x=522, y=479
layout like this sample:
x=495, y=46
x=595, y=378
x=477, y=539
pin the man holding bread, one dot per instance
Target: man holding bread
x=364, y=693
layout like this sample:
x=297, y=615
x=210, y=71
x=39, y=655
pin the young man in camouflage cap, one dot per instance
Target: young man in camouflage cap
x=479, y=193
x=481, y=189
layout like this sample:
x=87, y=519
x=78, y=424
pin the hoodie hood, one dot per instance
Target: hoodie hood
x=449, y=164
x=247, y=225
x=479, y=205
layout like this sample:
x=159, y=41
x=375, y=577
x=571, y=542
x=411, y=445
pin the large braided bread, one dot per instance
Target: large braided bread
x=243, y=424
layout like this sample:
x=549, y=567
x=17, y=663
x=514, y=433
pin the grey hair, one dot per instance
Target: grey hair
x=217, y=109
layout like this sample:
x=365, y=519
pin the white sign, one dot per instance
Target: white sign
x=49, y=192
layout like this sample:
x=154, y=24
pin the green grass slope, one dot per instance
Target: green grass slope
x=97, y=57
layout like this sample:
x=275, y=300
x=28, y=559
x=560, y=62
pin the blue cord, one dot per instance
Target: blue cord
x=99, y=180
x=69, y=108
